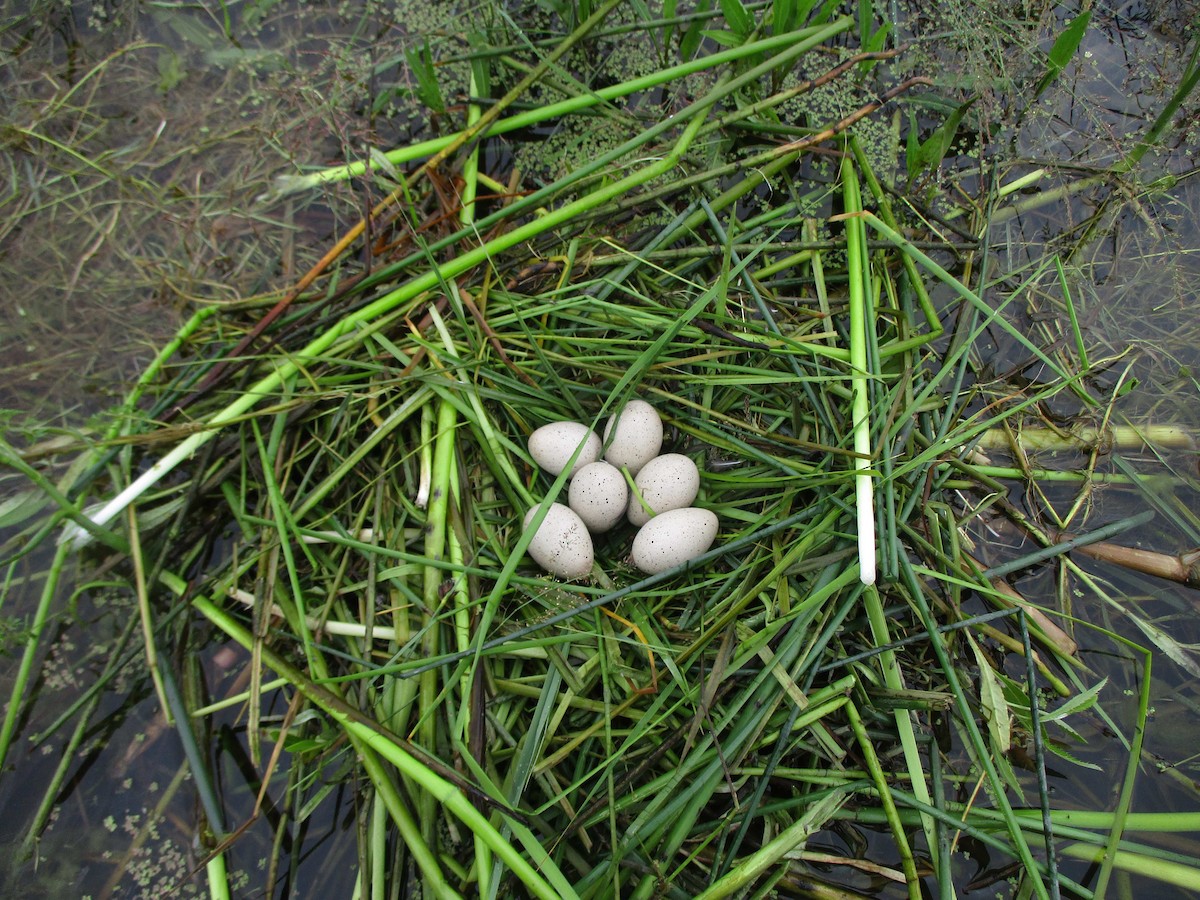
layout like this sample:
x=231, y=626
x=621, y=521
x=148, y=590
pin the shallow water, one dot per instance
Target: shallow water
x=177, y=120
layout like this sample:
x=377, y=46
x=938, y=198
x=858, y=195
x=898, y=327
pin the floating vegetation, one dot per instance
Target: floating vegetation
x=319, y=511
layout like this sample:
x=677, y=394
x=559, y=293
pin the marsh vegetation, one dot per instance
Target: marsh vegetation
x=289, y=286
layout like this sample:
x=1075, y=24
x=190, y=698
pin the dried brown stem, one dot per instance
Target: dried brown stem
x=1182, y=569
x=861, y=113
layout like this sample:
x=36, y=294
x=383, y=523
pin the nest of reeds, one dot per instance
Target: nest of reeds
x=338, y=489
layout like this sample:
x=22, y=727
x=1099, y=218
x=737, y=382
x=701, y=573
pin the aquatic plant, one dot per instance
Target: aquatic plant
x=336, y=488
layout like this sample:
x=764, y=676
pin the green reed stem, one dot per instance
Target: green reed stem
x=375, y=740
x=431, y=279
x=291, y=183
x=861, y=318
x=17, y=696
x=883, y=790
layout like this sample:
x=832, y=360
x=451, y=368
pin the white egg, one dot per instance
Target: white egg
x=673, y=538
x=551, y=446
x=637, y=436
x=561, y=545
x=598, y=494
x=667, y=482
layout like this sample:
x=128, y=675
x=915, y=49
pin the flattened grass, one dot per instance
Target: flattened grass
x=346, y=508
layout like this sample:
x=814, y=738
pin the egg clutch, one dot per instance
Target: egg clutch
x=670, y=530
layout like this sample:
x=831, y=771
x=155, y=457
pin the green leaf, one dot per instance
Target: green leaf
x=930, y=153
x=1079, y=703
x=1005, y=770
x=197, y=32
x=724, y=38
x=874, y=43
x=803, y=9
x=481, y=70
x=1064, y=48
x=912, y=147
x=380, y=162
x=668, y=13
x=20, y=506
x=420, y=63
x=866, y=13
x=303, y=745
x=689, y=44
x=877, y=39
x=991, y=699
x=783, y=16
x=170, y=69
x=826, y=12
x=1178, y=653
x=1060, y=751
x=740, y=21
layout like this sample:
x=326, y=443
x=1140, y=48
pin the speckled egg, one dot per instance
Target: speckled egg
x=667, y=482
x=598, y=495
x=561, y=545
x=636, y=436
x=673, y=538
x=551, y=446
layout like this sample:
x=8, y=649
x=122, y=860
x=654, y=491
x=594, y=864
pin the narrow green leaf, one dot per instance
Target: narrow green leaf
x=872, y=44
x=170, y=70
x=804, y=9
x=1068, y=42
x=420, y=63
x=991, y=698
x=825, y=13
x=1064, y=48
x=876, y=41
x=783, y=16
x=1079, y=703
x=866, y=15
x=1060, y=751
x=21, y=506
x=933, y=149
x=740, y=21
x=689, y=44
x=912, y=147
x=724, y=38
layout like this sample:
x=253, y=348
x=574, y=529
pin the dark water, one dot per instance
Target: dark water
x=177, y=118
